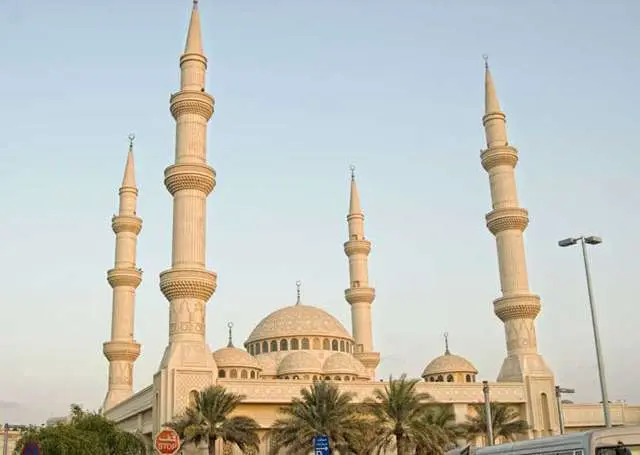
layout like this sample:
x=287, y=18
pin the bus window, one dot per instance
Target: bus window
x=620, y=449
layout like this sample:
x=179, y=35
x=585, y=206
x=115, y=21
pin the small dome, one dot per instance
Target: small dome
x=234, y=357
x=341, y=363
x=299, y=362
x=449, y=363
x=268, y=365
x=298, y=321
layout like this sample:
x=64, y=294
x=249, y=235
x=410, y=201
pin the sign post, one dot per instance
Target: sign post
x=167, y=441
x=31, y=448
x=321, y=445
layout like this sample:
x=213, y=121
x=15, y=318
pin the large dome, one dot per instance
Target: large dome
x=449, y=363
x=298, y=320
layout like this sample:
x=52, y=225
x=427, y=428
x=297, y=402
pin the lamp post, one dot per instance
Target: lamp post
x=487, y=412
x=584, y=241
x=5, y=440
x=559, y=392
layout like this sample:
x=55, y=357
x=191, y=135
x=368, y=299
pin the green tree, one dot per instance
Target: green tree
x=86, y=433
x=506, y=423
x=440, y=431
x=207, y=419
x=320, y=410
x=399, y=411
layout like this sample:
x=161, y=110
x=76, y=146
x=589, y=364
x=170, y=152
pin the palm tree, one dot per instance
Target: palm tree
x=207, y=419
x=441, y=431
x=399, y=411
x=321, y=410
x=506, y=422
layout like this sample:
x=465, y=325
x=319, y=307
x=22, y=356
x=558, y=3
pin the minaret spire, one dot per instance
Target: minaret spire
x=360, y=295
x=518, y=306
x=187, y=363
x=230, y=327
x=446, y=344
x=122, y=351
x=298, y=293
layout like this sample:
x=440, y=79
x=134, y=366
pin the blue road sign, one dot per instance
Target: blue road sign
x=321, y=445
x=32, y=448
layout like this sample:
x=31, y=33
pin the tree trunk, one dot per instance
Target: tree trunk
x=401, y=445
x=212, y=446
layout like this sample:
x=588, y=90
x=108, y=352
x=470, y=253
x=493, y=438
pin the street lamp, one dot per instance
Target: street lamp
x=584, y=241
x=487, y=412
x=559, y=392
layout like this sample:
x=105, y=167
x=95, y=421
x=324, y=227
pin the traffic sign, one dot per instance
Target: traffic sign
x=321, y=445
x=31, y=448
x=167, y=441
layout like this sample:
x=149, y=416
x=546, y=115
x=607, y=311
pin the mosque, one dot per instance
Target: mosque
x=298, y=344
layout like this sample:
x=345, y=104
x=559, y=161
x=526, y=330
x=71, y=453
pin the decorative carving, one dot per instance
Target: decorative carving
x=499, y=156
x=122, y=373
x=521, y=335
x=124, y=277
x=359, y=295
x=190, y=177
x=188, y=283
x=493, y=116
x=193, y=57
x=502, y=219
x=526, y=306
x=192, y=102
x=186, y=316
x=357, y=247
x=187, y=381
x=121, y=350
x=126, y=223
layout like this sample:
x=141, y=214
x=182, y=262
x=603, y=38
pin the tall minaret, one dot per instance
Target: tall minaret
x=124, y=278
x=518, y=306
x=359, y=294
x=187, y=364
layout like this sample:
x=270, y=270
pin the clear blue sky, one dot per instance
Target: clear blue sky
x=303, y=89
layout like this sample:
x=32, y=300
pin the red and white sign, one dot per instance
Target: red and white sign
x=167, y=441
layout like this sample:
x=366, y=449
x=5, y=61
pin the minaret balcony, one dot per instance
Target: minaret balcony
x=508, y=218
x=370, y=360
x=503, y=155
x=196, y=176
x=357, y=247
x=359, y=295
x=188, y=284
x=126, y=223
x=519, y=306
x=124, y=277
x=121, y=350
x=486, y=118
x=192, y=102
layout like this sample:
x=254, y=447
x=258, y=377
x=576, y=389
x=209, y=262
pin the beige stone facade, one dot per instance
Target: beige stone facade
x=298, y=344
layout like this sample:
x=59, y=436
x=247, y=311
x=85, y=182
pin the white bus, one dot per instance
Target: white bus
x=606, y=441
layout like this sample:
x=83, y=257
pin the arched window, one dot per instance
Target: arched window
x=305, y=343
x=431, y=379
x=336, y=378
x=296, y=377
x=295, y=344
x=253, y=375
x=244, y=374
x=251, y=351
x=284, y=345
x=222, y=374
x=449, y=378
x=315, y=378
x=440, y=379
x=468, y=378
x=328, y=378
x=325, y=344
x=193, y=398
x=265, y=346
x=286, y=377
x=334, y=345
x=234, y=374
x=341, y=345
x=257, y=349
x=347, y=378
x=274, y=346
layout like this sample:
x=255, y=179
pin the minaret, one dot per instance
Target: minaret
x=124, y=278
x=359, y=295
x=187, y=364
x=518, y=306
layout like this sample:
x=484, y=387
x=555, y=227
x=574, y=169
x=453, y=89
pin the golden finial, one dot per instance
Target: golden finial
x=352, y=168
x=446, y=343
x=230, y=327
x=485, y=57
x=298, y=284
x=131, y=137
